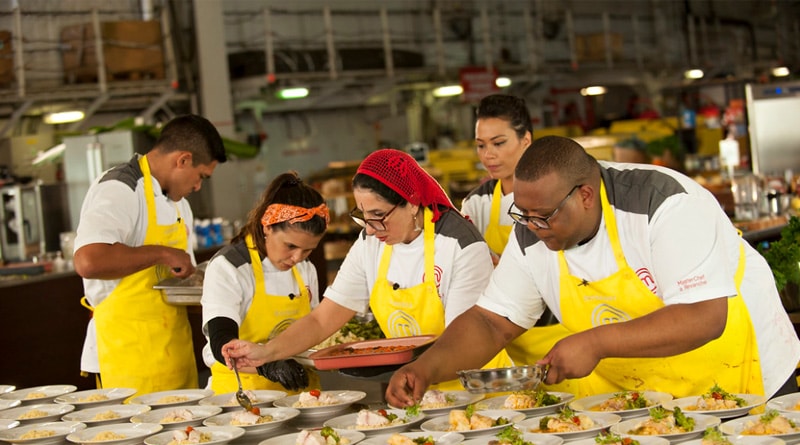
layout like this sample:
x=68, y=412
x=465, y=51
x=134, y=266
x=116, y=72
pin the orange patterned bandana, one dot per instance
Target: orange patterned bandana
x=278, y=213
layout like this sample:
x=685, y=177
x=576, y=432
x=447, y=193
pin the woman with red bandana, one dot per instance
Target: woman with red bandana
x=261, y=283
x=417, y=264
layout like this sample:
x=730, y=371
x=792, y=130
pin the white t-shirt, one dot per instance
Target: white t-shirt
x=477, y=206
x=229, y=284
x=115, y=211
x=461, y=260
x=678, y=240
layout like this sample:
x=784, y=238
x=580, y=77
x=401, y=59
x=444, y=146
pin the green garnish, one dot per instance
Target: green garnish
x=512, y=436
x=566, y=413
x=717, y=393
x=469, y=410
x=390, y=416
x=422, y=440
x=543, y=423
x=329, y=432
x=413, y=410
x=658, y=413
x=682, y=421
x=633, y=399
x=611, y=438
x=541, y=397
x=771, y=415
x=714, y=435
x=501, y=421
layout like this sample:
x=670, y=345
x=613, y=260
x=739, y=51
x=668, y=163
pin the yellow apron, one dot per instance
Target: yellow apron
x=731, y=361
x=142, y=341
x=416, y=310
x=268, y=316
x=496, y=236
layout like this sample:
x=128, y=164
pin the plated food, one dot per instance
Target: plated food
x=435, y=400
x=541, y=402
x=267, y=419
x=115, y=434
x=175, y=397
x=568, y=424
x=625, y=404
x=713, y=436
x=513, y=436
x=472, y=423
x=324, y=436
x=718, y=403
x=95, y=397
x=258, y=397
x=415, y=438
x=47, y=412
x=789, y=403
x=177, y=417
x=372, y=422
x=105, y=414
x=38, y=394
x=208, y=435
x=774, y=423
x=672, y=425
x=609, y=438
x=317, y=404
x=40, y=433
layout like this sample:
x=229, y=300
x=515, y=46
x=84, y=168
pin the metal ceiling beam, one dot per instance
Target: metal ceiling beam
x=91, y=110
x=15, y=117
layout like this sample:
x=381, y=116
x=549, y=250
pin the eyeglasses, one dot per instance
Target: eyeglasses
x=375, y=224
x=541, y=222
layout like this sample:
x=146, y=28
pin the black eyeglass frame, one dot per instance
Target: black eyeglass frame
x=541, y=222
x=375, y=223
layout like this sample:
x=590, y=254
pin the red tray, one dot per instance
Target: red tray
x=330, y=358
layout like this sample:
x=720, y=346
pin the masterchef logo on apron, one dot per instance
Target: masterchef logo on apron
x=280, y=327
x=607, y=314
x=401, y=324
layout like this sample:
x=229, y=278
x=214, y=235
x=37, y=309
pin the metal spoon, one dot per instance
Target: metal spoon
x=241, y=397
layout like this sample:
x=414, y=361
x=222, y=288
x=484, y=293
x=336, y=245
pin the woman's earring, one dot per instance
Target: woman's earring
x=417, y=228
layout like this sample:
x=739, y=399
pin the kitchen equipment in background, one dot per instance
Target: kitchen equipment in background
x=86, y=157
x=31, y=218
x=772, y=111
x=746, y=192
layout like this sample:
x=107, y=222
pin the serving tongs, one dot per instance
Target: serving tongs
x=517, y=378
x=241, y=397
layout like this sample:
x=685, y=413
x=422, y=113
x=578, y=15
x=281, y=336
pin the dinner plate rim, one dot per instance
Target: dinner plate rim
x=515, y=418
x=382, y=439
x=166, y=410
x=291, y=413
x=735, y=425
x=146, y=430
x=13, y=395
x=533, y=411
x=608, y=421
x=96, y=409
x=284, y=439
x=286, y=402
x=258, y=392
x=602, y=397
x=776, y=402
x=708, y=422
x=61, y=409
x=373, y=431
x=195, y=395
x=753, y=400
x=125, y=393
x=236, y=432
x=5, y=434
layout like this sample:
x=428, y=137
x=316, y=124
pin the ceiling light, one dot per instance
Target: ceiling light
x=502, y=82
x=693, y=74
x=293, y=93
x=593, y=91
x=63, y=117
x=448, y=90
x=780, y=71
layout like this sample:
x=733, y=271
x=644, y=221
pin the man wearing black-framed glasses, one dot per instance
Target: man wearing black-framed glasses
x=648, y=276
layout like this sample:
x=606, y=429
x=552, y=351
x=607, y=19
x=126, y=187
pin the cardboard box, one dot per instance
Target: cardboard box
x=132, y=50
x=592, y=47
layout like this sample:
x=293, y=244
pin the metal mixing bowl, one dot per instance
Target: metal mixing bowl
x=517, y=378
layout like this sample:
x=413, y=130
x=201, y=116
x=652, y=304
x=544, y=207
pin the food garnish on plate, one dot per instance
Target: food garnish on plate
x=566, y=420
x=771, y=422
x=434, y=398
x=37, y=434
x=468, y=419
x=717, y=398
x=713, y=436
x=662, y=421
x=325, y=436
x=177, y=415
x=106, y=415
x=35, y=395
x=399, y=439
x=315, y=397
x=33, y=414
x=614, y=439
x=172, y=399
x=252, y=417
x=378, y=419
x=105, y=436
x=93, y=398
x=623, y=401
x=189, y=436
x=530, y=399
x=509, y=436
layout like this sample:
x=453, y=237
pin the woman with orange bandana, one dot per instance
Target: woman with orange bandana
x=261, y=283
x=417, y=264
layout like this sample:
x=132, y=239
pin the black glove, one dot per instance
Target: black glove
x=289, y=373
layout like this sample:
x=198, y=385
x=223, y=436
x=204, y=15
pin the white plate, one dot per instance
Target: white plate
x=701, y=422
x=171, y=398
x=199, y=414
x=734, y=427
x=442, y=423
x=54, y=412
x=134, y=433
x=786, y=403
x=61, y=429
x=227, y=401
x=592, y=403
x=499, y=401
x=601, y=420
x=538, y=439
x=6, y=424
x=460, y=399
x=219, y=435
x=744, y=440
x=441, y=438
x=7, y=388
x=289, y=439
x=82, y=399
x=751, y=401
x=643, y=440
x=88, y=415
x=348, y=422
x=346, y=398
x=279, y=417
x=6, y=404
x=49, y=392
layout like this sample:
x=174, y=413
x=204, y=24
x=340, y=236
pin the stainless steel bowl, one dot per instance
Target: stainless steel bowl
x=517, y=378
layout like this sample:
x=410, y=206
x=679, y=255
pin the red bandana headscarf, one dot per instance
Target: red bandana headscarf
x=400, y=172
